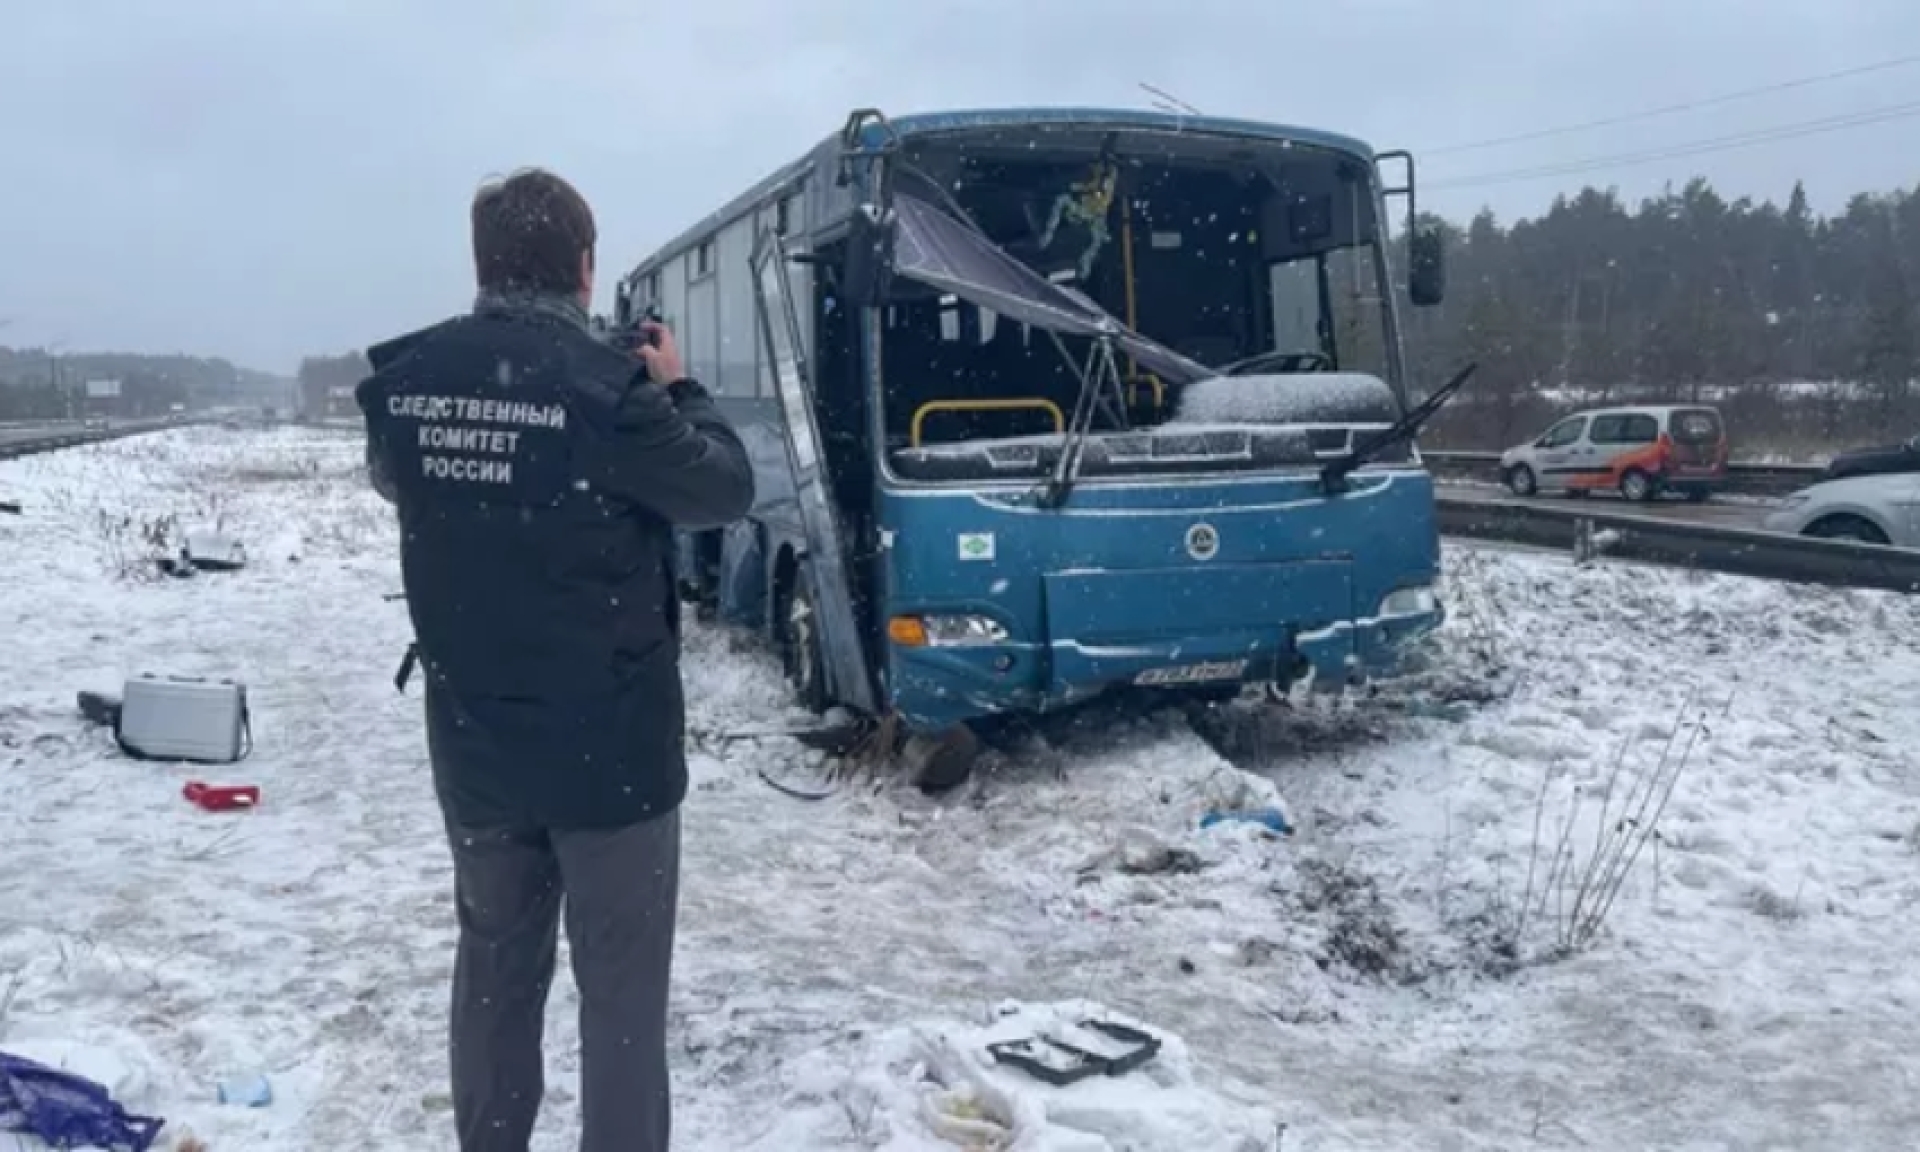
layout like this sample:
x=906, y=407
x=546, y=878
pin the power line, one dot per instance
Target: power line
x=1704, y=147
x=1674, y=109
x=1166, y=101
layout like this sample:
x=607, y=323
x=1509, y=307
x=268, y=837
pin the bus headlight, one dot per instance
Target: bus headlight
x=1419, y=601
x=945, y=631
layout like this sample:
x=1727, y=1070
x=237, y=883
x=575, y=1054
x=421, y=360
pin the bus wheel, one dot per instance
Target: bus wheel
x=800, y=645
x=939, y=761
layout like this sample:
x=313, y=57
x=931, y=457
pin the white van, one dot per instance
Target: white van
x=1639, y=452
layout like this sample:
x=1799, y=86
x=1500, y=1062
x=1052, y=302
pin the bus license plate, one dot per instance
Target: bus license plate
x=1192, y=673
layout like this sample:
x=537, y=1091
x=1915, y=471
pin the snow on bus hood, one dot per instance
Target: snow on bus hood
x=1165, y=443
x=1293, y=398
x=1271, y=419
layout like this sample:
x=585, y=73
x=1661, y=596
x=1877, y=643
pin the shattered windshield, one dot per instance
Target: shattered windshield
x=1257, y=264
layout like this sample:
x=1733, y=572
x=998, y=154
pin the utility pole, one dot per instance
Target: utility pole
x=55, y=377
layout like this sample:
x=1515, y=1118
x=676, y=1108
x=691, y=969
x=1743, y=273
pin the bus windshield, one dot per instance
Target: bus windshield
x=1257, y=260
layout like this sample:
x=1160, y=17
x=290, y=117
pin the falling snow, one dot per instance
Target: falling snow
x=1391, y=976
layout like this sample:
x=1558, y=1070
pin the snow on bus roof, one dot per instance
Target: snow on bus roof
x=921, y=123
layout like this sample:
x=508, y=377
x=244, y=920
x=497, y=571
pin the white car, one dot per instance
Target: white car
x=1882, y=509
x=1639, y=452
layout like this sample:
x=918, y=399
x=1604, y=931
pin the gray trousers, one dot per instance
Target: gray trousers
x=621, y=886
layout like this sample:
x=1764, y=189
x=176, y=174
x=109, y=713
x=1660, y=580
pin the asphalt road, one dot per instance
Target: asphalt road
x=1730, y=511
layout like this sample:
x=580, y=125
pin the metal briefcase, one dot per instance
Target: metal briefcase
x=184, y=718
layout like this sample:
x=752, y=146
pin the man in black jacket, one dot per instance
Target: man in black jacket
x=539, y=474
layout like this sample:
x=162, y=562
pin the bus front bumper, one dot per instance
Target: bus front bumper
x=936, y=686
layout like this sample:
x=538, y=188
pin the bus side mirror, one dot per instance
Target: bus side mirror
x=1426, y=267
x=866, y=272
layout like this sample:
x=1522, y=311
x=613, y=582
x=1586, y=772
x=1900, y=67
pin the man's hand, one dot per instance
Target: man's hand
x=661, y=353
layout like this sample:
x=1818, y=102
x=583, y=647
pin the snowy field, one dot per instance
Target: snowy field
x=1454, y=951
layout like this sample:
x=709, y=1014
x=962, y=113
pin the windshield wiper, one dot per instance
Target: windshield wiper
x=1100, y=366
x=1333, y=477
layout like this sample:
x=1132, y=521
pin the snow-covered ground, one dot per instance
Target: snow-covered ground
x=1391, y=977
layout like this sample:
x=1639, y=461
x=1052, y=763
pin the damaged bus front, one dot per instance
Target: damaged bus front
x=1073, y=400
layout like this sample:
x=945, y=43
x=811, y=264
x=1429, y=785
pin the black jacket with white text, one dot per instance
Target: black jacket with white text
x=538, y=475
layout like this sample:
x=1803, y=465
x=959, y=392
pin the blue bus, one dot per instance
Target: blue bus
x=1050, y=402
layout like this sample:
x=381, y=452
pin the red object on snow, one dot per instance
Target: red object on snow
x=224, y=798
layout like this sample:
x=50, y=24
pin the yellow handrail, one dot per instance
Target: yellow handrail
x=1151, y=381
x=1031, y=403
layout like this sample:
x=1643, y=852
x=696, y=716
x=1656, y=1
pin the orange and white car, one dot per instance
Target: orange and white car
x=1639, y=452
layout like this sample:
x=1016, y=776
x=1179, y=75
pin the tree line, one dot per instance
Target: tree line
x=1799, y=327
x=48, y=384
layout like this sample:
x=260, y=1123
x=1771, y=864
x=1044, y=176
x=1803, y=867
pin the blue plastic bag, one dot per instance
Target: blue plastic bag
x=1272, y=819
x=68, y=1111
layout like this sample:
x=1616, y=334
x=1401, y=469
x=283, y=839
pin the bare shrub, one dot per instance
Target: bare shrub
x=1570, y=893
x=132, y=545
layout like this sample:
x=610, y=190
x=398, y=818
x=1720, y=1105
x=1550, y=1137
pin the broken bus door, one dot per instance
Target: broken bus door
x=843, y=652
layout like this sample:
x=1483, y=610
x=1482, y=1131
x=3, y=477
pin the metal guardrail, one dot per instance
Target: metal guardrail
x=9, y=449
x=1742, y=478
x=1680, y=544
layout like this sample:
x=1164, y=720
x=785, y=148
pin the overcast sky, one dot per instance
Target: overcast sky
x=263, y=180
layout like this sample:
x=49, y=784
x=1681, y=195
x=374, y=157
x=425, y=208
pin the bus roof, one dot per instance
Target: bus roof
x=924, y=123
x=786, y=175
x=932, y=123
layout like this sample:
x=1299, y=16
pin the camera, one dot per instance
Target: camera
x=631, y=336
